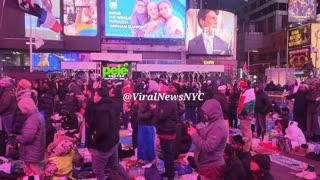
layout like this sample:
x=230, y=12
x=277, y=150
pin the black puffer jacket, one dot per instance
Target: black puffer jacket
x=263, y=103
x=166, y=115
x=222, y=99
x=46, y=102
x=102, y=126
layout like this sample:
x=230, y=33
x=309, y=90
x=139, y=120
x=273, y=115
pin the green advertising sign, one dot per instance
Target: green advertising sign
x=115, y=72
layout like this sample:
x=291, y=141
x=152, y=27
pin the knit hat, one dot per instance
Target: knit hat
x=27, y=105
x=25, y=84
x=6, y=80
x=262, y=160
x=222, y=88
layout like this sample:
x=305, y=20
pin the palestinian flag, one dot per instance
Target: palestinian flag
x=245, y=69
x=247, y=103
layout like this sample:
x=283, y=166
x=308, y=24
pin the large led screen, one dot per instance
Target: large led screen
x=80, y=17
x=301, y=10
x=298, y=58
x=210, y=32
x=52, y=61
x=145, y=19
x=45, y=33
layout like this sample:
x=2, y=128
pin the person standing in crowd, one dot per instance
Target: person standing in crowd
x=176, y=89
x=300, y=106
x=7, y=105
x=210, y=142
x=221, y=97
x=260, y=167
x=191, y=105
x=32, y=139
x=312, y=114
x=102, y=135
x=246, y=112
x=263, y=106
x=146, y=130
x=233, y=106
x=166, y=115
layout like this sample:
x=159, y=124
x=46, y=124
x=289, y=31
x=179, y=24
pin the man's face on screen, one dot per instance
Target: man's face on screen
x=210, y=22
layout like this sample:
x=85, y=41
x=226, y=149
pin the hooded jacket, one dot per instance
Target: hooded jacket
x=210, y=141
x=295, y=134
x=32, y=139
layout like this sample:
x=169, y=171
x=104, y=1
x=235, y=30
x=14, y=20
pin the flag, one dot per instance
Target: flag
x=47, y=20
x=245, y=69
x=38, y=41
x=30, y=7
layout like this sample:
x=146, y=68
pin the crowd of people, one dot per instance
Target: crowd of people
x=26, y=111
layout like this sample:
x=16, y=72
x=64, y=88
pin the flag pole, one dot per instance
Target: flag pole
x=30, y=43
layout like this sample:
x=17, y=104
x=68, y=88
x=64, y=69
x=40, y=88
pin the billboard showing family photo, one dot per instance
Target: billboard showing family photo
x=210, y=32
x=145, y=18
x=302, y=10
x=80, y=17
x=52, y=7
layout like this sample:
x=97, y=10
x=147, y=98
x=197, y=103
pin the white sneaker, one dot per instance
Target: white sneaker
x=302, y=174
x=310, y=175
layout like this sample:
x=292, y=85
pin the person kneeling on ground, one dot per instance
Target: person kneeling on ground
x=260, y=167
x=234, y=167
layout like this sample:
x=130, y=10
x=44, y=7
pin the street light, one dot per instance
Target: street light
x=254, y=51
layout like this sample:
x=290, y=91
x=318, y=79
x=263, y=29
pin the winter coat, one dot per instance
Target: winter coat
x=263, y=103
x=46, y=102
x=311, y=100
x=102, y=127
x=222, y=99
x=295, y=134
x=8, y=100
x=210, y=141
x=145, y=114
x=234, y=169
x=300, y=103
x=166, y=115
x=33, y=138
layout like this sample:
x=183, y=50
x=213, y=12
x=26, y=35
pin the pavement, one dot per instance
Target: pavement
x=283, y=173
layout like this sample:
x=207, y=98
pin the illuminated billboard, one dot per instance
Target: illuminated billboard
x=161, y=19
x=300, y=36
x=298, y=58
x=210, y=32
x=80, y=17
x=52, y=61
x=45, y=33
x=302, y=10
